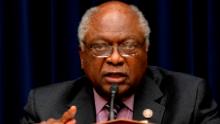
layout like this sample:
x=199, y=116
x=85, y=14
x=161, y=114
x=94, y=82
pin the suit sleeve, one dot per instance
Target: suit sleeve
x=206, y=111
x=30, y=115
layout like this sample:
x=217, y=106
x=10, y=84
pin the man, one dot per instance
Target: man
x=114, y=44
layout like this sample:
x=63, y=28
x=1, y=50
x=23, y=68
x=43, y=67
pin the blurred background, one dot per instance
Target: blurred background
x=39, y=45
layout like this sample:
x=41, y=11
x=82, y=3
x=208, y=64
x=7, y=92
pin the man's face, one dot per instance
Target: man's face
x=114, y=28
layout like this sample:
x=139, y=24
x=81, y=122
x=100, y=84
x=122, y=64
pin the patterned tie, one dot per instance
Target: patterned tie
x=116, y=108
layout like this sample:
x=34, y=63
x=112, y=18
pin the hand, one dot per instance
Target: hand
x=68, y=117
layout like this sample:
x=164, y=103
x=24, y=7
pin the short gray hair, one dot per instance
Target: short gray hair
x=84, y=23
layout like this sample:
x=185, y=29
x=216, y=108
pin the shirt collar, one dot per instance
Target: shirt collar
x=100, y=102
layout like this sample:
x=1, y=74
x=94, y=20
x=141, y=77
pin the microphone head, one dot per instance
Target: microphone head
x=114, y=88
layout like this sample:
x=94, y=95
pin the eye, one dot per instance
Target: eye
x=129, y=45
x=99, y=47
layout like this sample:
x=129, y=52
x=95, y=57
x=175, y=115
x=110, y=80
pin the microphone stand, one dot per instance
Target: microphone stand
x=114, y=90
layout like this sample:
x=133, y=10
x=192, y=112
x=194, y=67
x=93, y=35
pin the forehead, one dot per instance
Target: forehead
x=114, y=23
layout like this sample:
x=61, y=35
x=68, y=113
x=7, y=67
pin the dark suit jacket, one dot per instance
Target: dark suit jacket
x=175, y=98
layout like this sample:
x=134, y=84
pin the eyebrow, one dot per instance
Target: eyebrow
x=119, y=41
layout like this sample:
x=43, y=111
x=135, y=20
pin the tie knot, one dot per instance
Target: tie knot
x=116, y=108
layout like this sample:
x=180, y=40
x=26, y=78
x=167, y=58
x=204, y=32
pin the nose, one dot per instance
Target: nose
x=115, y=58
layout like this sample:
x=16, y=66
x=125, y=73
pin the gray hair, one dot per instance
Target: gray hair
x=83, y=26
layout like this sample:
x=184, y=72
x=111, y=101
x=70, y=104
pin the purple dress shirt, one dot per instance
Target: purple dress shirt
x=102, y=113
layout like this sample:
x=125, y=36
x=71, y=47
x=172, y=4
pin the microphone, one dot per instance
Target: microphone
x=114, y=90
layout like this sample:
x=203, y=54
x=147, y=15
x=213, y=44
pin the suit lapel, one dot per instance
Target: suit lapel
x=148, y=97
x=84, y=101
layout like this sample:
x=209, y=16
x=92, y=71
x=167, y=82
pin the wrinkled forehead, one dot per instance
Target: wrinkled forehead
x=114, y=18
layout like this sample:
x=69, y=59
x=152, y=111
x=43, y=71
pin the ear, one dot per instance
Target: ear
x=81, y=59
x=147, y=47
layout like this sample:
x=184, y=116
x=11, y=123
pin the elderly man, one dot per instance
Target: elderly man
x=114, y=41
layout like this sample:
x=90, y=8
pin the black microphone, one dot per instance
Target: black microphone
x=114, y=90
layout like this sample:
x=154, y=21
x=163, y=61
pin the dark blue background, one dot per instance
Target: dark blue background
x=39, y=46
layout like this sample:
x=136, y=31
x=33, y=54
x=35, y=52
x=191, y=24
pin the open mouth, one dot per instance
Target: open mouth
x=115, y=77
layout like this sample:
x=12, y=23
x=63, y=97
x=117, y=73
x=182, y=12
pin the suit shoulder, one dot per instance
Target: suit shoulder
x=177, y=79
x=58, y=90
x=55, y=87
x=181, y=86
x=57, y=84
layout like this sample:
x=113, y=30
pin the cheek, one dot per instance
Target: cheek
x=92, y=68
x=138, y=67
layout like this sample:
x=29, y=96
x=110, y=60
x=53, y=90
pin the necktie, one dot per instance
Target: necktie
x=116, y=108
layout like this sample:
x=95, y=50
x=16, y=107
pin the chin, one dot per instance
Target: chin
x=103, y=91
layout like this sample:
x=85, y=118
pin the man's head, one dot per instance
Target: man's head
x=114, y=43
